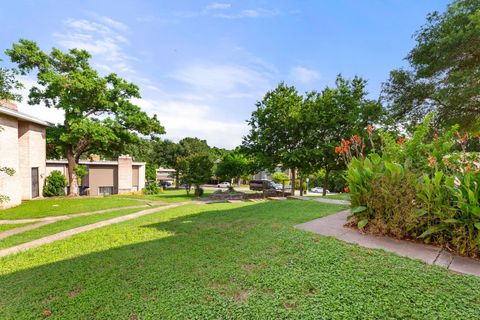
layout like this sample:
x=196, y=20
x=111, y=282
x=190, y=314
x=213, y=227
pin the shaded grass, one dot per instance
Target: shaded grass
x=169, y=195
x=6, y=227
x=60, y=226
x=236, y=261
x=62, y=206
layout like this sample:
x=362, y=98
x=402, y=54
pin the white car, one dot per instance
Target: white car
x=224, y=185
x=318, y=190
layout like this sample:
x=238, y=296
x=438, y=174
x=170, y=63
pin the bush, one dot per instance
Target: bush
x=280, y=177
x=426, y=187
x=151, y=188
x=55, y=184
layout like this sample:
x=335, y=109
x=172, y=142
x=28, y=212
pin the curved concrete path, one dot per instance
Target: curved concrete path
x=71, y=232
x=333, y=225
x=319, y=199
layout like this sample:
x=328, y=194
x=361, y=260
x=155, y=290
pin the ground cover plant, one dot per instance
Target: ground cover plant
x=62, y=206
x=62, y=225
x=425, y=187
x=233, y=261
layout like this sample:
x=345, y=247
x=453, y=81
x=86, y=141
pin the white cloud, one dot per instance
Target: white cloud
x=225, y=10
x=218, y=6
x=184, y=119
x=304, y=75
x=102, y=39
x=221, y=78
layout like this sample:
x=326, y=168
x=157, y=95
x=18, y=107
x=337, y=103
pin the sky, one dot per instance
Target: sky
x=202, y=65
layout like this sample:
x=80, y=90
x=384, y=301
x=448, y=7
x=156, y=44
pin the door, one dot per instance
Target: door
x=35, y=186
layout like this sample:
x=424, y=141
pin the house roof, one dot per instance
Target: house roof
x=165, y=170
x=23, y=116
x=101, y=162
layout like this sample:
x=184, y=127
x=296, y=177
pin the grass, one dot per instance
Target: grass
x=218, y=261
x=169, y=195
x=60, y=226
x=340, y=196
x=62, y=206
x=6, y=227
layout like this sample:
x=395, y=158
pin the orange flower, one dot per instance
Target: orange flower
x=346, y=189
x=431, y=162
x=338, y=149
x=369, y=129
x=401, y=140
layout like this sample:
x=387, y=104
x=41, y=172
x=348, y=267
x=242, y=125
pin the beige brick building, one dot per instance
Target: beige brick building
x=106, y=177
x=22, y=148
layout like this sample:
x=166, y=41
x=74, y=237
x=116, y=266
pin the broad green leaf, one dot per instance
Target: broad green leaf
x=362, y=223
x=359, y=209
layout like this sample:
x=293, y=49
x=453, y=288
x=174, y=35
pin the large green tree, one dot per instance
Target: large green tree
x=9, y=84
x=276, y=132
x=444, y=70
x=332, y=114
x=196, y=169
x=98, y=109
x=233, y=165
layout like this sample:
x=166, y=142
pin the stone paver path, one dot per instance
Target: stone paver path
x=333, y=225
x=71, y=232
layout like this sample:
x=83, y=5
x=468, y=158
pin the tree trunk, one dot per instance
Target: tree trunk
x=301, y=185
x=325, y=182
x=72, y=177
x=177, y=179
x=292, y=189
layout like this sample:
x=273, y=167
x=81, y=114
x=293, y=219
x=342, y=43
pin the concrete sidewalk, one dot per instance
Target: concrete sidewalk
x=333, y=226
x=322, y=200
x=71, y=232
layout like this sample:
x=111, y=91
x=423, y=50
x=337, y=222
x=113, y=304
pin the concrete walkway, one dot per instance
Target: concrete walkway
x=71, y=232
x=69, y=216
x=333, y=226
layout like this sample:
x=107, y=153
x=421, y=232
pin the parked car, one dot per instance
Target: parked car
x=260, y=185
x=318, y=190
x=224, y=185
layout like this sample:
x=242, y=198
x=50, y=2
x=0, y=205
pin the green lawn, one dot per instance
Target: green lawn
x=169, y=195
x=340, y=196
x=5, y=227
x=60, y=226
x=62, y=206
x=226, y=261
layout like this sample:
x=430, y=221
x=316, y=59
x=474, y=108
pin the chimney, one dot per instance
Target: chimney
x=125, y=174
x=8, y=104
x=94, y=157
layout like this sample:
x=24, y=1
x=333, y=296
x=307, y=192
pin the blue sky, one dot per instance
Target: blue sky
x=202, y=65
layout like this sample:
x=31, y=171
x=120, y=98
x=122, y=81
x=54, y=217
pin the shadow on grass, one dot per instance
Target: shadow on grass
x=243, y=262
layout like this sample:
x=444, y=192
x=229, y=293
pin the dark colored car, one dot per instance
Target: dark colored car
x=260, y=185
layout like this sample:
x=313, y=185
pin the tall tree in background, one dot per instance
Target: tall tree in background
x=275, y=136
x=445, y=70
x=334, y=113
x=233, y=165
x=98, y=110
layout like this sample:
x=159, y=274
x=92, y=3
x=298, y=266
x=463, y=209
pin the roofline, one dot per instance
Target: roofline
x=24, y=116
x=101, y=162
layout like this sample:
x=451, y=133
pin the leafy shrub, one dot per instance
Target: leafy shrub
x=55, y=184
x=426, y=187
x=151, y=188
x=280, y=177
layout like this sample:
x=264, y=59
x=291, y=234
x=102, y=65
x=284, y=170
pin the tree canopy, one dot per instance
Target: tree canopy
x=99, y=112
x=444, y=70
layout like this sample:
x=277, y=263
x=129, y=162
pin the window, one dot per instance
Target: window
x=105, y=191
